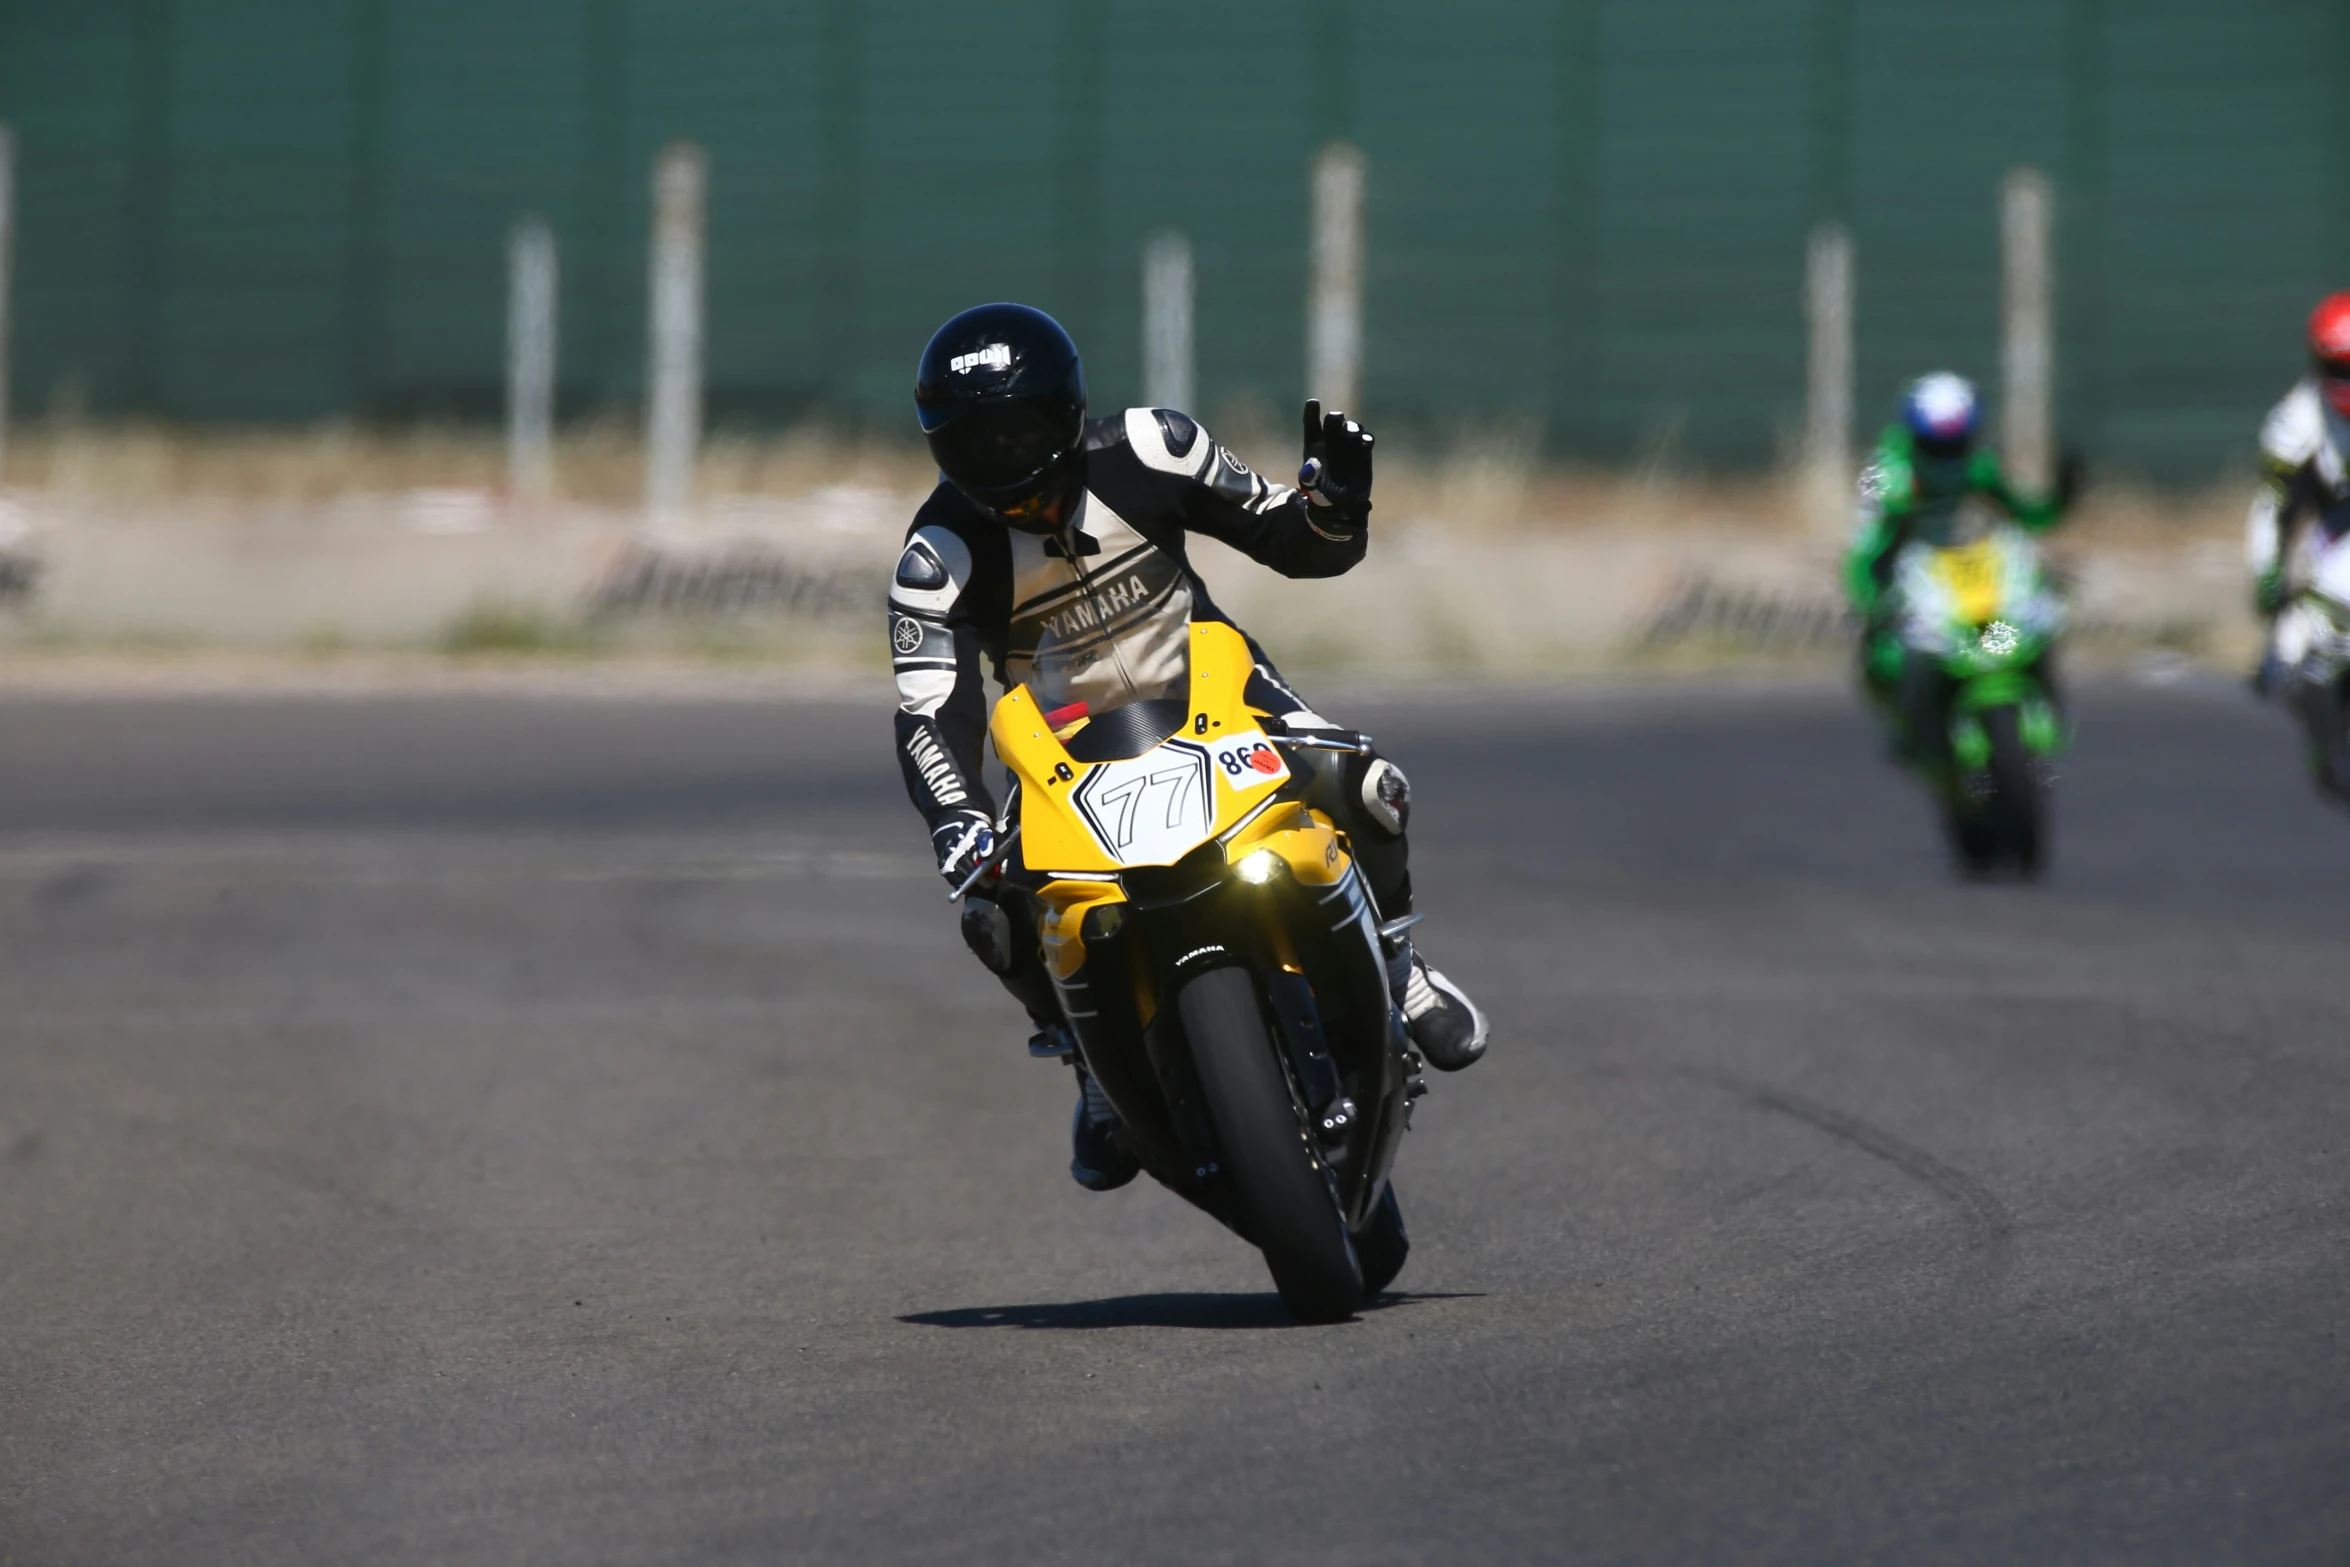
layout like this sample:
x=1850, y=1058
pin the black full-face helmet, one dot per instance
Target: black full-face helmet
x=1001, y=396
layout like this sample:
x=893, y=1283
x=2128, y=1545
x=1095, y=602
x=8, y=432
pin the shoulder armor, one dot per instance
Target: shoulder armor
x=1871, y=487
x=1179, y=429
x=932, y=571
x=2295, y=428
x=1888, y=483
x=1168, y=441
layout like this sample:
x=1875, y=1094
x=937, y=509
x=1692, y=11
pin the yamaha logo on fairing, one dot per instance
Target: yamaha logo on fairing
x=994, y=356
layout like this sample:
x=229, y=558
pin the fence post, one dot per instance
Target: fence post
x=7, y=251
x=530, y=360
x=2027, y=326
x=1827, y=432
x=1166, y=322
x=673, y=405
x=1334, y=314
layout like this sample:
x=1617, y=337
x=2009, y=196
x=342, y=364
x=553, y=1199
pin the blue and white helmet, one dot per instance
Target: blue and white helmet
x=1941, y=409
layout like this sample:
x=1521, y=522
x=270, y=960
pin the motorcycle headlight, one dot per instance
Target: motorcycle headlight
x=1258, y=868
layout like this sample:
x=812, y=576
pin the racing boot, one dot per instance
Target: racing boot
x=2269, y=680
x=1098, y=1160
x=1444, y=1023
x=1051, y=1041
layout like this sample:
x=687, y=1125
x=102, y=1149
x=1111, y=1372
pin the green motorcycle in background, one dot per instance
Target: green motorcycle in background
x=1977, y=621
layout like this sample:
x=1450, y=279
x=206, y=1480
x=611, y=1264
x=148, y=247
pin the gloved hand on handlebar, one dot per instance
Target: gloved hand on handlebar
x=963, y=842
x=1337, y=469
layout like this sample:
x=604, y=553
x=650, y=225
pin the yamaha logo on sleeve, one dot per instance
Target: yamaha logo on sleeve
x=905, y=634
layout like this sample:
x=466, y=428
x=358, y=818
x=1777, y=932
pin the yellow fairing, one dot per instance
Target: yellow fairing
x=1971, y=573
x=1060, y=919
x=1303, y=838
x=1069, y=834
x=1068, y=822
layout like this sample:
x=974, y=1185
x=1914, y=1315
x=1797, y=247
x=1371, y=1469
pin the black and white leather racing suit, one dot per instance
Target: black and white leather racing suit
x=970, y=595
x=2302, y=510
x=2305, y=480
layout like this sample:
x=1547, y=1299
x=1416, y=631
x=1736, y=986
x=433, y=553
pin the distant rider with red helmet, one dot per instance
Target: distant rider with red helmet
x=1037, y=506
x=2305, y=478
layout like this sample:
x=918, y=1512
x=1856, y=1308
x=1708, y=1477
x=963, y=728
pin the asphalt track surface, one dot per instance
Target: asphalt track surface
x=487, y=1129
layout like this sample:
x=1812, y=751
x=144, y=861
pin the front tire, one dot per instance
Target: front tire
x=2015, y=806
x=1382, y=1245
x=1292, y=1209
x=1971, y=838
x=2325, y=716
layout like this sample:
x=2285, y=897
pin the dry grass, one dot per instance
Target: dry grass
x=596, y=465
x=1494, y=485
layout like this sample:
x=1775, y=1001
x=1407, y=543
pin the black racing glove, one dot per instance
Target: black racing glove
x=1337, y=469
x=962, y=842
x=2072, y=476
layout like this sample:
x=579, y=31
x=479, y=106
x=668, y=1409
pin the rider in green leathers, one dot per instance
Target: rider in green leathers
x=1925, y=469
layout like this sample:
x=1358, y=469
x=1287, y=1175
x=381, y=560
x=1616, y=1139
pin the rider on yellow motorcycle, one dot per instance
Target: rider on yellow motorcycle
x=1049, y=526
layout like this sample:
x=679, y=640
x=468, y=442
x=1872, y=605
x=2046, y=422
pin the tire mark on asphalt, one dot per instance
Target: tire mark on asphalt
x=1985, y=1213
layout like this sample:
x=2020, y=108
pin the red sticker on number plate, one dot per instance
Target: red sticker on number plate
x=1248, y=761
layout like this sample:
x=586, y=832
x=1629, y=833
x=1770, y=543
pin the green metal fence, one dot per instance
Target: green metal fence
x=1585, y=216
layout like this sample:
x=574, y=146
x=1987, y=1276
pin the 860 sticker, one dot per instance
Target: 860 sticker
x=1248, y=760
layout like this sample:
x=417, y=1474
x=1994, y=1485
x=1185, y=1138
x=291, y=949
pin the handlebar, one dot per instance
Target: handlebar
x=995, y=858
x=1361, y=747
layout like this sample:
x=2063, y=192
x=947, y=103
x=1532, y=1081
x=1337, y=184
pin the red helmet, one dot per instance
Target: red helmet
x=2329, y=345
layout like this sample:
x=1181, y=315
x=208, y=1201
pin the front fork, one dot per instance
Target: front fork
x=2037, y=725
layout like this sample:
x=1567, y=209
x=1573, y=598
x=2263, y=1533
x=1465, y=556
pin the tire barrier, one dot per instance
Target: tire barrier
x=741, y=580
x=1703, y=611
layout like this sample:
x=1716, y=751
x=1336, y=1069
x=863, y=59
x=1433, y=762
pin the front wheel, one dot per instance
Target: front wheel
x=1292, y=1209
x=1997, y=803
x=1382, y=1244
x=2325, y=715
x=2017, y=807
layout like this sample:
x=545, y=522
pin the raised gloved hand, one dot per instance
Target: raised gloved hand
x=2072, y=476
x=962, y=842
x=1337, y=469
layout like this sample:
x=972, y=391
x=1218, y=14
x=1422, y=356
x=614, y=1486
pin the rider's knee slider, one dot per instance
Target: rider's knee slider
x=987, y=931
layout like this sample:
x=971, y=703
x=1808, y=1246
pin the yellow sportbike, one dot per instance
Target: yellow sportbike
x=1216, y=953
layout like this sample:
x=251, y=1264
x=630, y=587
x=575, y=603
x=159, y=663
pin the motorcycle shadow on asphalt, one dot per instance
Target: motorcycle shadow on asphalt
x=1171, y=1310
